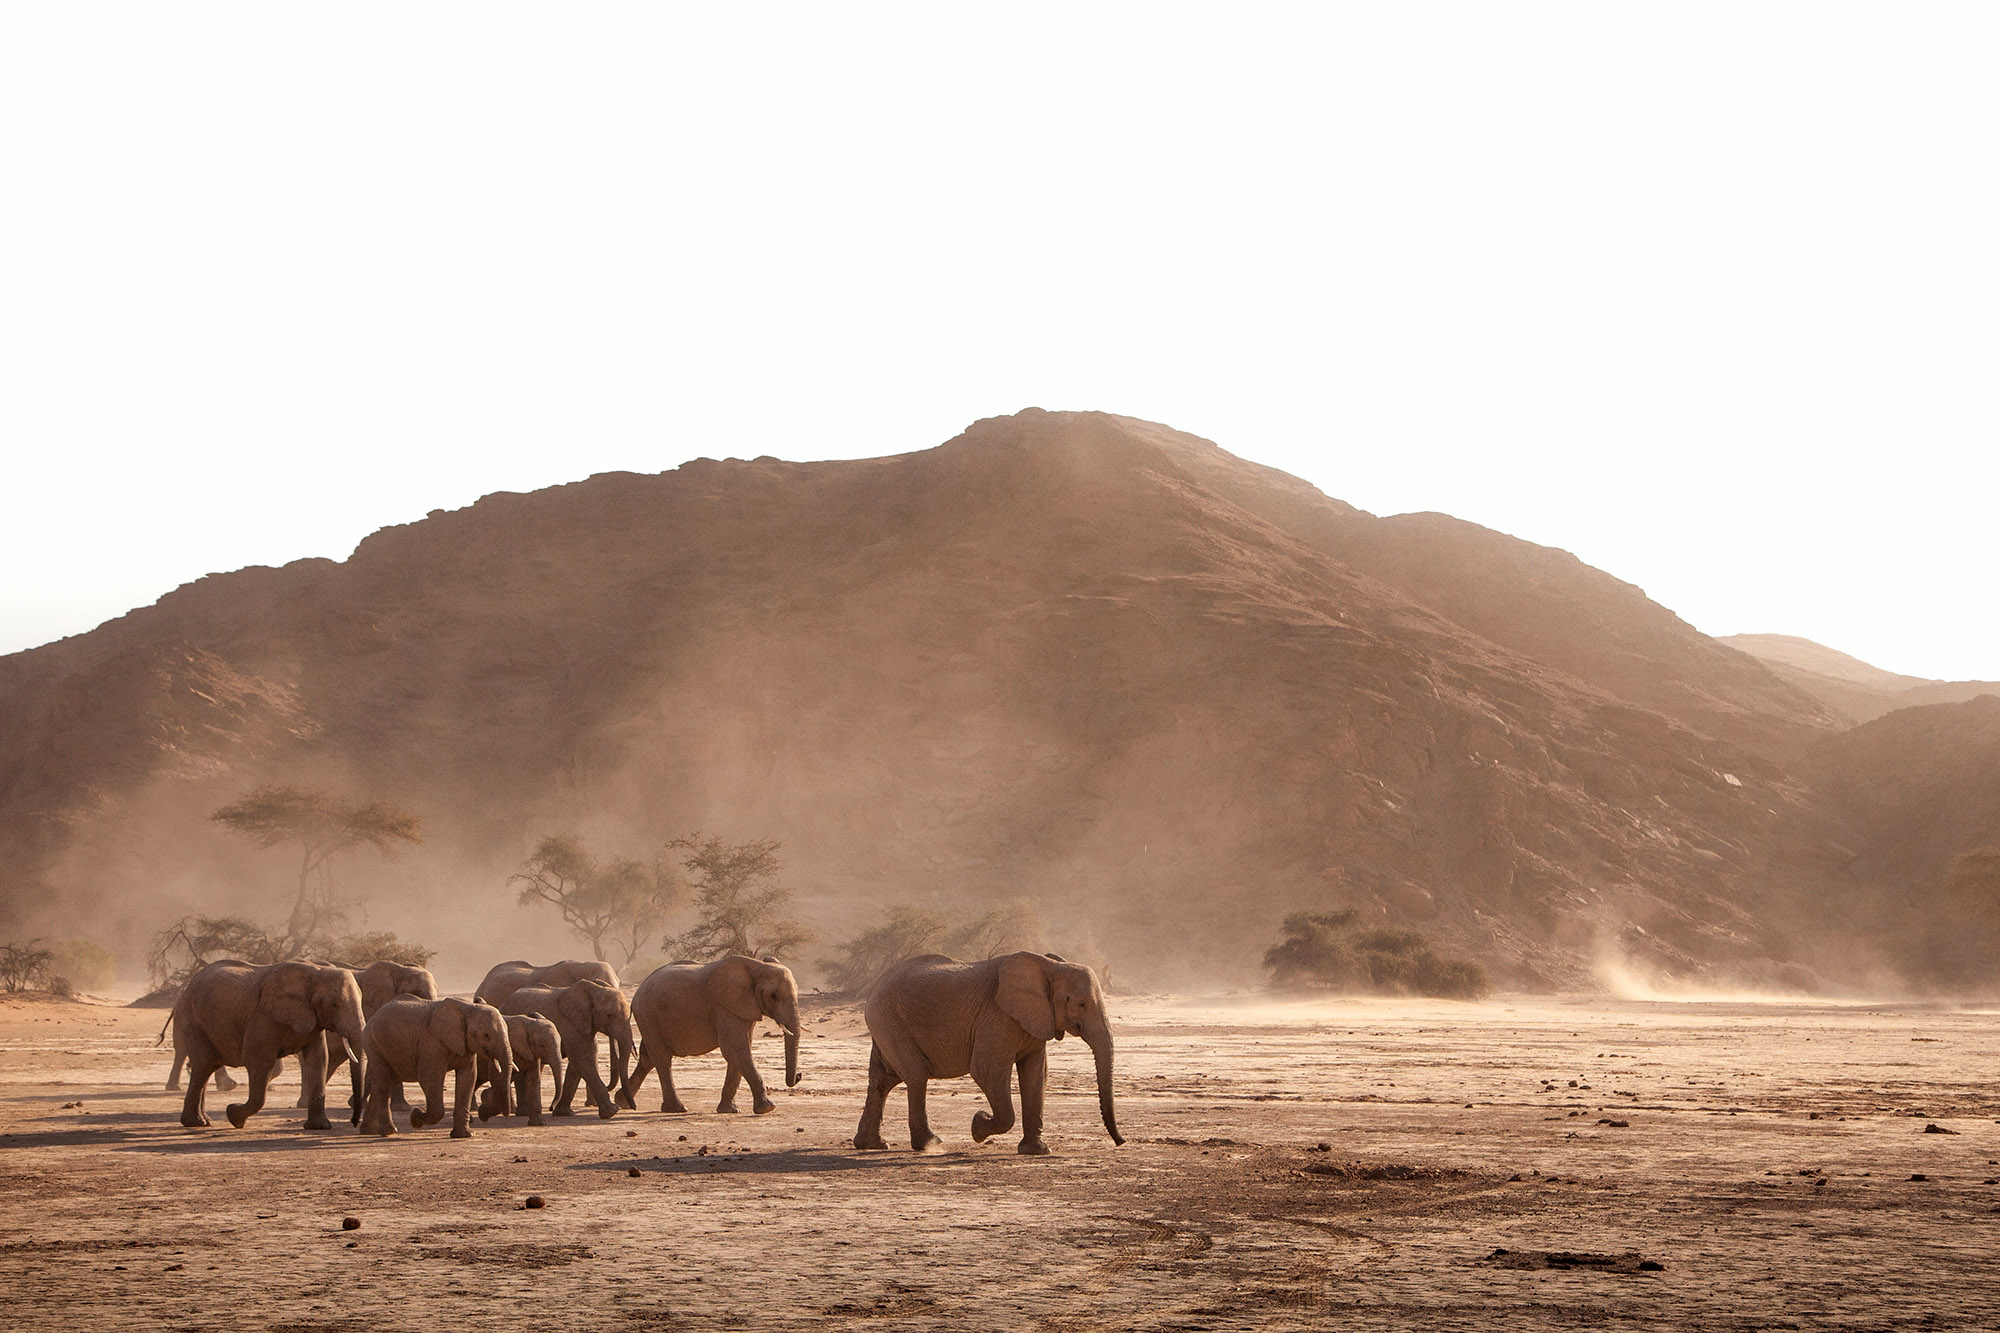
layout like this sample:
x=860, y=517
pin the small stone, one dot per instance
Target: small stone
x=631, y=1133
x=682, y=1139
x=634, y=1171
x=535, y=1201
x=1920, y=1176
x=1938, y=1129
x=350, y=1224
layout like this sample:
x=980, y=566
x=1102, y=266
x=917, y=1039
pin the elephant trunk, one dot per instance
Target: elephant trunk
x=792, y=1057
x=1099, y=1040
x=621, y=1058
x=503, y=1081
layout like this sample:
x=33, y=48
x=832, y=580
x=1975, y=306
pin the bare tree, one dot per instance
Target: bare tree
x=739, y=907
x=622, y=902
x=323, y=825
x=24, y=963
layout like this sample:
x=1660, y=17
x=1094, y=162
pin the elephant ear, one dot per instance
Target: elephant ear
x=448, y=1026
x=574, y=1004
x=734, y=990
x=1024, y=995
x=286, y=996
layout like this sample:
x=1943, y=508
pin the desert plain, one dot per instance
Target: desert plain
x=1520, y=1163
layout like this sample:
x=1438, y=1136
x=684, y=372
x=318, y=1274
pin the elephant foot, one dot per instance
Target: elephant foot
x=173, y=1085
x=318, y=1121
x=460, y=1132
x=238, y=1112
x=196, y=1121
x=765, y=1107
x=870, y=1142
x=605, y=1110
x=726, y=1108
x=224, y=1083
x=562, y=1110
x=673, y=1107
x=536, y=1121
x=983, y=1127
x=625, y=1100
x=417, y=1120
x=1033, y=1148
x=384, y=1130
x=930, y=1143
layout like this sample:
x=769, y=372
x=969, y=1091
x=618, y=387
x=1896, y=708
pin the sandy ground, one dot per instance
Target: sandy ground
x=1513, y=1164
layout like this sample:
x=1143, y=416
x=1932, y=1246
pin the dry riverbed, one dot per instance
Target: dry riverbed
x=1517, y=1164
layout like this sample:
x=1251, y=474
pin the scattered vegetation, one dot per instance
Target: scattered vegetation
x=24, y=965
x=193, y=942
x=620, y=902
x=85, y=966
x=739, y=906
x=1332, y=951
x=323, y=825
x=906, y=930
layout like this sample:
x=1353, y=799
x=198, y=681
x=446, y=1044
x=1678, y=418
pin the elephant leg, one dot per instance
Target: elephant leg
x=530, y=1099
x=261, y=1071
x=921, y=1138
x=174, y=1074
x=995, y=1079
x=462, y=1080
x=489, y=1086
x=670, y=1100
x=396, y=1097
x=432, y=1082
x=628, y=1096
x=312, y=1074
x=1034, y=1070
x=882, y=1080
x=736, y=1054
x=224, y=1082
x=572, y=1075
x=194, y=1114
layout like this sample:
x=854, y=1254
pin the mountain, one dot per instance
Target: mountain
x=1170, y=694
x=1852, y=689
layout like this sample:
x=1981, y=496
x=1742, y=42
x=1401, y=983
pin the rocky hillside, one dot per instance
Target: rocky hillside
x=1171, y=694
x=1850, y=688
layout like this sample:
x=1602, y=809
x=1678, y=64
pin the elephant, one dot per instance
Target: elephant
x=506, y=978
x=419, y=1041
x=536, y=1045
x=691, y=1009
x=232, y=1013
x=579, y=1012
x=936, y=1017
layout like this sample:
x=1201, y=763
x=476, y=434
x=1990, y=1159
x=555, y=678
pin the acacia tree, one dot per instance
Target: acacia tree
x=193, y=942
x=622, y=901
x=740, y=909
x=24, y=963
x=323, y=825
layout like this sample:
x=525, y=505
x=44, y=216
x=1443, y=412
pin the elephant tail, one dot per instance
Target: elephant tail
x=163, y=1028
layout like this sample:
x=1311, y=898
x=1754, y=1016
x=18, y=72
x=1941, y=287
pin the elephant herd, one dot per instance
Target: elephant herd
x=928, y=1017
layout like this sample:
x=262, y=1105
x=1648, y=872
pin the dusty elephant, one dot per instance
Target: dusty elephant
x=234, y=1014
x=935, y=1017
x=420, y=1041
x=536, y=1045
x=579, y=1012
x=381, y=981
x=691, y=1009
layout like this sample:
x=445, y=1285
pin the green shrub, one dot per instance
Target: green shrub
x=1331, y=951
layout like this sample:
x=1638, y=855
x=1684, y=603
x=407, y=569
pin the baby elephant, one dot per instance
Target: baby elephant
x=536, y=1046
x=410, y=1040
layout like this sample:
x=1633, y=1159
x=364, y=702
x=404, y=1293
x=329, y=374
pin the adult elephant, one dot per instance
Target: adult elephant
x=935, y=1017
x=694, y=1008
x=580, y=1011
x=232, y=1013
x=536, y=1045
x=420, y=1041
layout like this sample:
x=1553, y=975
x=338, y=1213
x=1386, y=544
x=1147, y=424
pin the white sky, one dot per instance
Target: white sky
x=1708, y=294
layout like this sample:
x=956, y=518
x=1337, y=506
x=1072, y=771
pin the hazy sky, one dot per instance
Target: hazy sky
x=1706, y=293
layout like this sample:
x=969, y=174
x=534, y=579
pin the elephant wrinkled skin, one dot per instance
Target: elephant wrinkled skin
x=232, y=1013
x=935, y=1017
x=691, y=1009
x=419, y=1041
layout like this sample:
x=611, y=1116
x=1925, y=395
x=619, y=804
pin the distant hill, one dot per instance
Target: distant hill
x=1851, y=688
x=1171, y=694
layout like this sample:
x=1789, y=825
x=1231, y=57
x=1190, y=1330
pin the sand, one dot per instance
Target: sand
x=1518, y=1164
